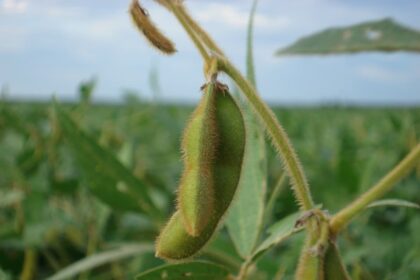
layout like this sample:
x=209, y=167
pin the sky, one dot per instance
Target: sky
x=47, y=47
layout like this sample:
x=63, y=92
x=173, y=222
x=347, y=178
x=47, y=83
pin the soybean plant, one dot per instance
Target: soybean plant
x=213, y=147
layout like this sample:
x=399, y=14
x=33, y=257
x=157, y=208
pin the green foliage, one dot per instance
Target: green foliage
x=100, y=259
x=62, y=225
x=84, y=187
x=192, y=270
x=383, y=35
x=108, y=178
x=277, y=233
x=245, y=218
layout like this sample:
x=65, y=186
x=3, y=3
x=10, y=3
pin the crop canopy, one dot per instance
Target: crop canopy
x=384, y=35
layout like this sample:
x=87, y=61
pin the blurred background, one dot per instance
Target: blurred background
x=64, y=212
x=48, y=46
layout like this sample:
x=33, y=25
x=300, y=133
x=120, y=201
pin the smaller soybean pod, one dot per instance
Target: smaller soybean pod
x=174, y=242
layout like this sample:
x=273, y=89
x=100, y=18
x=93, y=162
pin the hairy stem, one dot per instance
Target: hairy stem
x=207, y=40
x=179, y=13
x=342, y=218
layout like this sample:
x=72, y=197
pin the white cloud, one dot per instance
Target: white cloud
x=97, y=29
x=60, y=11
x=381, y=74
x=14, y=6
x=231, y=16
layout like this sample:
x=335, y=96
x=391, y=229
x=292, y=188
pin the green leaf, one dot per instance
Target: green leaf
x=278, y=232
x=193, y=270
x=101, y=258
x=10, y=197
x=277, y=190
x=383, y=35
x=222, y=250
x=246, y=214
x=29, y=160
x=250, y=68
x=394, y=202
x=4, y=275
x=108, y=179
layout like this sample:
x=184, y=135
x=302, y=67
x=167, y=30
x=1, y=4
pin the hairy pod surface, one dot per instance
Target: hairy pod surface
x=199, y=144
x=310, y=266
x=174, y=241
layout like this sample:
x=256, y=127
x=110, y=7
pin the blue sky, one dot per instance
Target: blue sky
x=48, y=46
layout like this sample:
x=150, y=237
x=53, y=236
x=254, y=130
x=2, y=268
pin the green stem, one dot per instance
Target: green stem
x=91, y=247
x=202, y=34
x=243, y=272
x=179, y=13
x=342, y=218
x=277, y=133
x=29, y=265
x=52, y=261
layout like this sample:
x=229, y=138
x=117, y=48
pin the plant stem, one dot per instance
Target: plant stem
x=29, y=265
x=207, y=40
x=180, y=15
x=243, y=272
x=342, y=218
x=277, y=133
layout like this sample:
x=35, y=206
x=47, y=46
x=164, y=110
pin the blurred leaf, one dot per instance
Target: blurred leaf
x=65, y=185
x=86, y=90
x=250, y=69
x=222, y=250
x=101, y=258
x=4, y=275
x=154, y=83
x=12, y=120
x=347, y=163
x=278, y=232
x=10, y=197
x=246, y=214
x=193, y=270
x=109, y=180
x=394, y=202
x=29, y=160
x=383, y=35
x=37, y=218
x=277, y=190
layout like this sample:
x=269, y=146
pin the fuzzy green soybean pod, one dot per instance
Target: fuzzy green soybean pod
x=199, y=144
x=175, y=242
x=310, y=266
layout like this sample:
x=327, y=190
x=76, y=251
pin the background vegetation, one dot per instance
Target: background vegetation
x=85, y=188
x=51, y=217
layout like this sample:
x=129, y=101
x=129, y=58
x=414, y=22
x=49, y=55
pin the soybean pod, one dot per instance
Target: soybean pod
x=175, y=242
